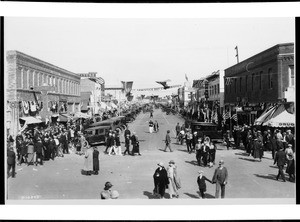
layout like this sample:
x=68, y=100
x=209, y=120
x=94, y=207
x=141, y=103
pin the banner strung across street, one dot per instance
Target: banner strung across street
x=155, y=88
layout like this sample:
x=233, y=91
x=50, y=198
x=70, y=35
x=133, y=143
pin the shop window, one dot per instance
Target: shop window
x=291, y=76
x=260, y=80
x=270, y=78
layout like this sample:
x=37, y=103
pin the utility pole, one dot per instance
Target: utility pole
x=237, y=54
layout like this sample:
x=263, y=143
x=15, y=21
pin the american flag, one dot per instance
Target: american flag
x=225, y=116
x=215, y=117
x=228, y=81
x=234, y=117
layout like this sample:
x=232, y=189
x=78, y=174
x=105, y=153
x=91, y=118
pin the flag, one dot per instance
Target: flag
x=236, y=48
x=215, y=117
x=234, y=117
x=186, y=78
x=225, y=116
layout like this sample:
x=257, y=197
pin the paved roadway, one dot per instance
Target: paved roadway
x=132, y=176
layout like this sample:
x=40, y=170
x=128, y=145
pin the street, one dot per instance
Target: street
x=132, y=176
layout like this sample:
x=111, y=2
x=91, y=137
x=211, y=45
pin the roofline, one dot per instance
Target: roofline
x=262, y=52
x=42, y=61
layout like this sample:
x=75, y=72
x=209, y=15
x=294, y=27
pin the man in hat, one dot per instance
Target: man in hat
x=168, y=142
x=11, y=161
x=220, y=178
x=38, y=146
x=188, y=140
x=106, y=193
x=280, y=159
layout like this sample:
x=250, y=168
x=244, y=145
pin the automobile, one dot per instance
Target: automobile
x=97, y=135
x=115, y=123
x=206, y=129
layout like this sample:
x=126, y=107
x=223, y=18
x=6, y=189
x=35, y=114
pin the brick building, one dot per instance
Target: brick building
x=260, y=81
x=38, y=89
x=92, y=89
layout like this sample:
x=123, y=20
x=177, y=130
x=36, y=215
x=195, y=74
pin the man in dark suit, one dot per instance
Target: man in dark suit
x=11, y=161
x=280, y=159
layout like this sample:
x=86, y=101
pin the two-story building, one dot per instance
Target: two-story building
x=261, y=81
x=37, y=89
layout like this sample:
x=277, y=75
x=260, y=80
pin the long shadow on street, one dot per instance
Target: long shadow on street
x=252, y=160
x=269, y=176
x=193, y=162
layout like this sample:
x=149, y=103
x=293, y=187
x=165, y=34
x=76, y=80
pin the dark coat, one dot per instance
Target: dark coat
x=118, y=142
x=201, y=182
x=257, y=149
x=52, y=145
x=127, y=132
x=96, y=160
x=280, y=158
x=127, y=141
x=11, y=157
x=22, y=148
x=161, y=180
x=38, y=147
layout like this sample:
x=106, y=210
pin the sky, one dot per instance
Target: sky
x=145, y=50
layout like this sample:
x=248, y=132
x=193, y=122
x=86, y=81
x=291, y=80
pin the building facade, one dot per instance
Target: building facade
x=260, y=81
x=92, y=89
x=38, y=89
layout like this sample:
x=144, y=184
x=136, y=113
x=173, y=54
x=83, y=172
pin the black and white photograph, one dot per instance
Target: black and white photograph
x=150, y=110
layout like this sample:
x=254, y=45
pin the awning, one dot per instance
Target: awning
x=30, y=120
x=281, y=118
x=62, y=118
x=81, y=115
x=266, y=115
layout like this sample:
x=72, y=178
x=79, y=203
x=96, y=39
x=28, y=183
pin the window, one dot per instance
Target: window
x=215, y=89
x=252, y=82
x=260, y=80
x=218, y=88
x=25, y=83
x=270, y=80
x=241, y=84
x=246, y=83
x=291, y=76
x=235, y=87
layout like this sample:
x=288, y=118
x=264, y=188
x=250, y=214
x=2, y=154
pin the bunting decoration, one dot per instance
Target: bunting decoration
x=156, y=88
x=234, y=117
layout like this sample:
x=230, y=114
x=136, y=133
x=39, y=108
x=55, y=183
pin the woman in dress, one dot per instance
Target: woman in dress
x=290, y=169
x=161, y=180
x=88, y=160
x=30, y=152
x=173, y=179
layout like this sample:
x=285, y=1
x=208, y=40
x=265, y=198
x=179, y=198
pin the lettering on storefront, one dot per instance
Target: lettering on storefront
x=247, y=108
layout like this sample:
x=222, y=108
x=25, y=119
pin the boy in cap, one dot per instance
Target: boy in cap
x=201, y=183
x=107, y=193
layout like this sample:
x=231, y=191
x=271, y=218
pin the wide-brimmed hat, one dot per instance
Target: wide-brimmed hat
x=172, y=161
x=108, y=185
x=160, y=164
x=114, y=194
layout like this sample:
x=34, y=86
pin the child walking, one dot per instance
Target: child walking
x=201, y=184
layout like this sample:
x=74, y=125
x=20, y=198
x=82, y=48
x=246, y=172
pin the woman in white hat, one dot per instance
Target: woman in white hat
x=174, y=182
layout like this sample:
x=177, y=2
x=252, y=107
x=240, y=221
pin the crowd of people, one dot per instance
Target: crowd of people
x=36, y=145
